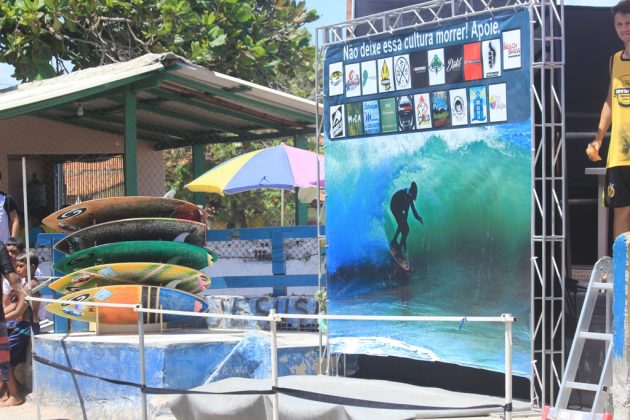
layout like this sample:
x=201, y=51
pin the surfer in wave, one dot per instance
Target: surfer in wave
x=401, y=201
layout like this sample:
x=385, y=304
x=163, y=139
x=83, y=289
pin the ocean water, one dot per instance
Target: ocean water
x=470, y=257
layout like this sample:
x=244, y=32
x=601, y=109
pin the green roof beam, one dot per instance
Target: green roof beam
x=130, y=157
x=162, y=93
x=82, y=95
x=195, y=120
x=299, y=116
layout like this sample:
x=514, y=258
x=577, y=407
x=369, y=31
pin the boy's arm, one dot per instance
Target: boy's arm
x=605, y=120
x=34, y=304
x=7, y=305
x=19, y=308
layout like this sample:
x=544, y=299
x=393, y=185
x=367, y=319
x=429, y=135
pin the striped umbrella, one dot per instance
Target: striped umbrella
x=282, y=167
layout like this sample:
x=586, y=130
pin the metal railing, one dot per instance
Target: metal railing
x=274, y=318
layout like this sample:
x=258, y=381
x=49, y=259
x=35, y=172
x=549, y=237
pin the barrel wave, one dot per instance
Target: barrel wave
x=470, y=257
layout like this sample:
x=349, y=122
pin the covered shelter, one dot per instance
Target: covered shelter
x=135, y=110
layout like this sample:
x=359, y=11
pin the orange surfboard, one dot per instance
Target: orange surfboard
x=150, y=297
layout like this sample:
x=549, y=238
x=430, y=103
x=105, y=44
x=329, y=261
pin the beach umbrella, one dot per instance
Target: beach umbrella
x=281, y=167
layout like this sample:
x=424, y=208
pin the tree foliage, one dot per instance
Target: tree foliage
x=262, y=41
x=258, y=40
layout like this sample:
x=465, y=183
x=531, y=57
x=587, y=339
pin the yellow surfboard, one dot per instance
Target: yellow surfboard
x=149, y=273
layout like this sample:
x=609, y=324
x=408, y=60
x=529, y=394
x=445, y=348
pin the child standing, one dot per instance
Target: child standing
x=21, y=323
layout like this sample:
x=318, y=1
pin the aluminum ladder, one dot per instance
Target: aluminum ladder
x=601, y=282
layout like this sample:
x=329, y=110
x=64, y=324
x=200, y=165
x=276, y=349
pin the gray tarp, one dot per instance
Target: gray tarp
x=259, y=407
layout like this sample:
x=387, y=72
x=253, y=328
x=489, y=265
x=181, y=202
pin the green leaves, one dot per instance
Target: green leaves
x=258, y=40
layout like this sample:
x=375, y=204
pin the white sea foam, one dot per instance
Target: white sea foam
x=380, y=346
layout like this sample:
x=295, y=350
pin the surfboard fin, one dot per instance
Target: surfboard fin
x=181, y=237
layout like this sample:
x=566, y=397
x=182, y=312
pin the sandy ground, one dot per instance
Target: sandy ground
x=28, y=411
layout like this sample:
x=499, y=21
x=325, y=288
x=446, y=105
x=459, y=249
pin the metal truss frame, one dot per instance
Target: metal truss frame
x=549, y=197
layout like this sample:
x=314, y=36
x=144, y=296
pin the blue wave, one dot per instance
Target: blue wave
x=470, y=257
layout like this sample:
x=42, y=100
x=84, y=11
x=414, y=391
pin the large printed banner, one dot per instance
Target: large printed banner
x=428, y=176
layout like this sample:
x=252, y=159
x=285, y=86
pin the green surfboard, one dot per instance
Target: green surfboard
x=168, y=252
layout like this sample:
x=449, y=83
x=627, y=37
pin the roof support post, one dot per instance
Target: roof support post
x=301, y=209
x=131, y=143
x=198, y=161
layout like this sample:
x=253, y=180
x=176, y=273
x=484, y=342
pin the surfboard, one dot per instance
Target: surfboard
x=152, y=274
x=87, y=213
x=139, y=229
x=400, y=259
x=168, y=252
x=148, y=296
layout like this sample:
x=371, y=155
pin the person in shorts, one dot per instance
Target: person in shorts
x=7, y=270
x=615, y=115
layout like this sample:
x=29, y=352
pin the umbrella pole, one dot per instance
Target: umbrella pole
x=282, y=207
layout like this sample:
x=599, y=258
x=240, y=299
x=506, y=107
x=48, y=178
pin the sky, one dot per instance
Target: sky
x=330, y=11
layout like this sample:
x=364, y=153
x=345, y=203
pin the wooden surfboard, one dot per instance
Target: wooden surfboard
x=168, y=252
x=139, y=229
x=151, y=274
x=148, y=296
x=92, y=212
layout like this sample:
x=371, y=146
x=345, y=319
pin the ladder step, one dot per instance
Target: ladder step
x=600, y=285
x=595, y=336
x=582, y=386
x=573, y=415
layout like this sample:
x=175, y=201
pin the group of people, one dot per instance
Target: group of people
x=18, y=318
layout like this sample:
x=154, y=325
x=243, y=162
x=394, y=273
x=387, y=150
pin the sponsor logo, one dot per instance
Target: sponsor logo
x=454, y=64
x=336, y=122
x=478, y=105
x=458, y=106
x=496, y=102
x=492, y=56
x=71, y=213
x=405, y=113
x=355, y=118
x=436, y=64
x=371, y=117
x=353, y=81
x=385, y=78
x=79, y=298
x=335, y=78
x=610, y=190
x=423, y=111
x=439, y=107
x=402, y=72
x=512, y=49
x=623, y=93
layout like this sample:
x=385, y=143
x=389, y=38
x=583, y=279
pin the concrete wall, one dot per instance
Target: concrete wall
x=37, y=137
x=176, y=361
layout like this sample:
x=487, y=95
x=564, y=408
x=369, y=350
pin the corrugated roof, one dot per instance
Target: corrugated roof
x=178, y=103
